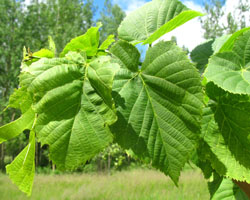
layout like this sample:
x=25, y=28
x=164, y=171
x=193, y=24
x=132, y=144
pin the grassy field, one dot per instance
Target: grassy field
x=125, y=185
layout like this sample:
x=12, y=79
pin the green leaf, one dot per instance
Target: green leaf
x=100, y=75
x=219, y=42
x=52, y=45
x=177, y=21
x=88, y=42
x=73, y=110
x=128, y=56
x=230, y=70
x=229, y=43
x=158, y=107
x=22, y=170
x=16, y=127
x=20, y=99
x=44, y=53
x=105, y=45
x=201, y=54
x=226, y=130
x=140, y=24
x=214, y=185
x=228, y=190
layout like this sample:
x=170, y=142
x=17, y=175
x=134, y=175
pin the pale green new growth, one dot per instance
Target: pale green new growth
x=88, y=42
x=172, y=24
x=229, y=43
x=105, y=45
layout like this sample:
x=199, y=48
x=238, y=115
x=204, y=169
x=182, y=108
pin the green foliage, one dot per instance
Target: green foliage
x=170, y=25
x=201, y=54
x=22, y=169
x=217, y=22
x=222, y=189
x=153, y=20
x=229, y=69
x=74, y=106
x=227, y=141
x=88, y=42
x=111, y=17
x=153, y=119
x=79, y=103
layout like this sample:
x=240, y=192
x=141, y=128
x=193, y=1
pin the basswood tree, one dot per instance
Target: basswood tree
x=161, y=108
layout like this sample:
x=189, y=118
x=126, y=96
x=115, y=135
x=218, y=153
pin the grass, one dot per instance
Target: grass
x=125, y=185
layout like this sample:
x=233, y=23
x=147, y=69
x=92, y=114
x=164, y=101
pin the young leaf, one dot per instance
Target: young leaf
x=230, y=70
x=226, y=131
x=44, y=53
x=219, y=42
x=73, y=108
x=177, y=21
x=105, y=45
x=158, y=106
x=20, y=99
x=16, y=127
x=22, y=169
x=153, y=20
x=229, y=43
x=88, y=42
x=52, y=45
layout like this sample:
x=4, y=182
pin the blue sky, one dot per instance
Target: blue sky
x=130, y=5
x=125, y=4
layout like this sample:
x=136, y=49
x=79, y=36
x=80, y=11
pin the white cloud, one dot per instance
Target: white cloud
x=129, y=6
x=133, y=5
x=231, y=6
x=191, y=33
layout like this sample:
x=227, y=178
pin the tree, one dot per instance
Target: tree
x=111, y=17
x=160, y=107
x=30, y=25
x=214, y=26
x=60, y=19
x=11, y=45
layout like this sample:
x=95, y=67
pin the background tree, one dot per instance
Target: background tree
x=30, y=25
x=10, y=45
x=217, y=22
x=111, y=17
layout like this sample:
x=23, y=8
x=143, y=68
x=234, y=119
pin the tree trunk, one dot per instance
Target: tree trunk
x=109, y=162
x=2, y=156
x=37, y=155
